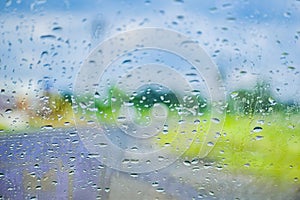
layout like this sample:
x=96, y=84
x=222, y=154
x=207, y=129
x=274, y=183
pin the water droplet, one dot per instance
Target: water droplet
x=291, y=67
x=83, y=105
x=160, y=190
x=97, y=95
x=247, y=165
x=47, y=36
x=8, y=3
x=54, y=182
x=215, y=120
x=259, y=137
x=210, y=144
x=155, y=184
x=187, y=163
x=195, y=161
x=7, y=111
x=47, y=127
x=271, y=101
x=134, y=175
x=197, y=121
x=257, y=129
x=57, y=28
x=234, y=94
x=126, y=61
x=287, y=14
x=260, y=121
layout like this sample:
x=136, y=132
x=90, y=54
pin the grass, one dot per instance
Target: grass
x=267, y=146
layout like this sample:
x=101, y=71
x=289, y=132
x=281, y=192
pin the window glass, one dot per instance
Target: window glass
x=149, y=99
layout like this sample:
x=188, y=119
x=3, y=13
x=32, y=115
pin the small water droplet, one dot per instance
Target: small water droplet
x=197, y=121
x=160, y=190
x=271, y=101
x=259, y=137
x=195, y=161
x=126, y=61
x=7, y=111
x=287, y=14
x=247, y=165
x=47, y=36
x=234, y=94
x=47, y=127
x=187, y=163
x=155, y=184
x=134, y=175
x=57, y=28
x=54, y=182
x=257, y=129
x=210, y=144
x=215, y=120
x=97, y=95
x=260, y=121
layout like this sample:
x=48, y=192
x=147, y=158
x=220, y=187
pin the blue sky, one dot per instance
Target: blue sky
x=248, y=40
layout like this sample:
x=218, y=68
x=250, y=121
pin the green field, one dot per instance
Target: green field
x=267, y=146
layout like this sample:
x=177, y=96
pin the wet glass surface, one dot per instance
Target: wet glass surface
x=149, y=99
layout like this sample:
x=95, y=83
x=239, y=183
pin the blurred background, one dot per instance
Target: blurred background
x=254, y=44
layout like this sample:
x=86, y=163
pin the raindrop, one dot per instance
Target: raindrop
x=213, y=9
x=57, y=28
x=160, y=190
x=83, y=105
x=210, y=144
x=71, y=172
x=97, y=95
x=215, y=120
x=54, y=183
x=187, y=163
x=195, y=161
x=7, y=111
x=47, y=36
x=155, y=184
x=261, y=121
x=257, y=129
x=231, y=18
x=271, y=101
x=287, y=14
x=197, y=121
x=259, y=137
x=180, y=17
x=126, y=61
x=134, y=175
x=47, y=127
x=8, y=3
x=234, y=94
x=247, y=165
x=67, y=123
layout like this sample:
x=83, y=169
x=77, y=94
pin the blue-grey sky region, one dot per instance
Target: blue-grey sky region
x=249, y=41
